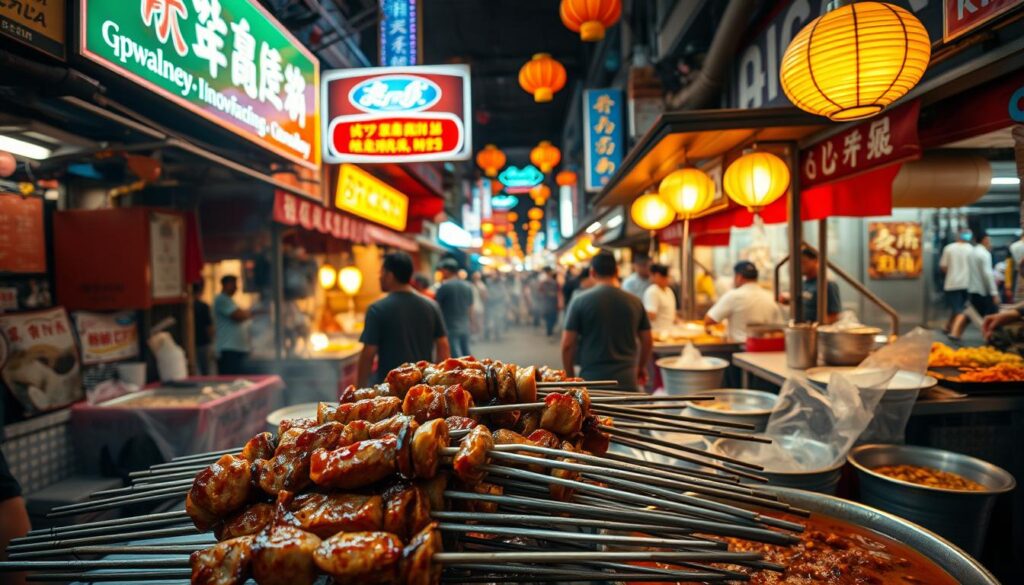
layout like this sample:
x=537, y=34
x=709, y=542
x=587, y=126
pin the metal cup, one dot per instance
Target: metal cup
x=801, y=346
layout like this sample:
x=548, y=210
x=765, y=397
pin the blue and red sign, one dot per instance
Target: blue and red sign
x=602, y=132
x=397, y=114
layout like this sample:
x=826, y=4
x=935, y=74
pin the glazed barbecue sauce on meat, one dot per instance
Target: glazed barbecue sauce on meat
x=834, y=552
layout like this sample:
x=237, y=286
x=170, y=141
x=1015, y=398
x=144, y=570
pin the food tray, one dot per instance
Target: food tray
x=947, y=376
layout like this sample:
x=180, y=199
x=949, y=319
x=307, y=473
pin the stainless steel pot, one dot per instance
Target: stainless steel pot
x=738, y=405
x=962, y=567
x=846, y=347
x=822, y=472
x=960, y=516
x=801, y=345
x=681, y=380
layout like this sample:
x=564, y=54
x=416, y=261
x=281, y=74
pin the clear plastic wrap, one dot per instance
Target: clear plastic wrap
x=909, y=356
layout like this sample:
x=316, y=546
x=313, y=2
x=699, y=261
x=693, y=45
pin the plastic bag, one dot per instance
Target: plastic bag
x=813, y=428
x=909, y=356
x=690, y=357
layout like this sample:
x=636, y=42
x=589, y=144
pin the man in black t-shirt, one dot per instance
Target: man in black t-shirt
x=607, y=330
x=404, y=326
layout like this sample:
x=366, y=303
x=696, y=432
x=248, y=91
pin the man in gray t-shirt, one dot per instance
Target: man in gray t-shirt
x=607, y=330
x=456, y=299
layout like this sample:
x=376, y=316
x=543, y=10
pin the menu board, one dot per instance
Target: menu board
x=42, y=369
x=22, y=243
x=166, y=249
x=107, y=337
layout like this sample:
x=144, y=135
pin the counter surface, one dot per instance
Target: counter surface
x=771, y=367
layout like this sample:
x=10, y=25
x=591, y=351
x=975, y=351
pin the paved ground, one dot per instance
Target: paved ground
x=523, y=345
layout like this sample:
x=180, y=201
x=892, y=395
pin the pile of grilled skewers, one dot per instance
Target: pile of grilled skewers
x=411, y=482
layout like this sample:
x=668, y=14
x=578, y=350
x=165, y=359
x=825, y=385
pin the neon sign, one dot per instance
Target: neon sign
x=504, y=202
x=518, y=180
x=397, y=114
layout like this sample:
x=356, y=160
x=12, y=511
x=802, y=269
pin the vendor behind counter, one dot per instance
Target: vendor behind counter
x=746, y=303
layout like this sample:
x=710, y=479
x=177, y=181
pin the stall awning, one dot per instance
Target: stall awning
x=297, y=211
x=421, y=182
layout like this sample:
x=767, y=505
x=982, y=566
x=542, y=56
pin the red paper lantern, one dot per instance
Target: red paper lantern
x=590, y=18
x=490, y=159
x=566, y=179
x=542, y=76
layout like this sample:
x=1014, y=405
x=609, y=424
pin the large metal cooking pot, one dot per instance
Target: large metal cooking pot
x=954, y=561
x=846, y=347
x=822, y=472
x=960, y=516
x=681, y=380
x=737, y=405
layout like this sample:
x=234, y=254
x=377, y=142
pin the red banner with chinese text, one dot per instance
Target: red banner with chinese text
x=963, y=16
x=885, y=139
x=292, y=210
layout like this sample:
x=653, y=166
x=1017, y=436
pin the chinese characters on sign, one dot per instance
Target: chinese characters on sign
x=107, y=337
x=22, y=244
x=42, y=369
x=399, y=33
x=364, y=195
x=602, y=121
x=963, y=16
x=37, y=23
x=292, y=210
x=894, y=249
x=397, y=114
x=226, y=60
x=882, y=140
x=167, y=255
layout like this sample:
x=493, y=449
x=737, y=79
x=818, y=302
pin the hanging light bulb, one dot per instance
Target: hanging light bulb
x=852, y=62
x=351, y=280
x=756, y=180
x=688, y=191
x=327, y=276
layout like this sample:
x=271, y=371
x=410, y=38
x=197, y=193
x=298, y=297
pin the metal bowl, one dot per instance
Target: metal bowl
x=681, y=381
x=846, y=347
x=961, y=516
x=737, y=405
x=962, y=567
x=822, y=474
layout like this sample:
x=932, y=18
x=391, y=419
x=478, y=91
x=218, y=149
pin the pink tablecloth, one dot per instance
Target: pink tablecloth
x=102, y=433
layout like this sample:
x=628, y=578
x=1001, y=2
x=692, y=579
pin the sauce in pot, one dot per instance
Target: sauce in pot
x=834, y=552
x=929, y=477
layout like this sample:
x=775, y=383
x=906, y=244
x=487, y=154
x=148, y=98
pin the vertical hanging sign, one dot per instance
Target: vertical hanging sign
x=399, y=33
x=602, y=121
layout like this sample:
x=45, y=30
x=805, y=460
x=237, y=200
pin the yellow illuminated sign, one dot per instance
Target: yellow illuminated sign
x=366, y=196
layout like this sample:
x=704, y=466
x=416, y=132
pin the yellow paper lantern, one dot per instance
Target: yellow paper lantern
x=854, y=61
x=756, y=179
x=534, y=226
x=513, y=217
x=327, y=276
x=490, y=159
x=351, y=280
x=590, y=18
x=651, y=212
x=542, y=77
x=535, y=213
x=487, y=229
x=546, y=156
x=688, y=191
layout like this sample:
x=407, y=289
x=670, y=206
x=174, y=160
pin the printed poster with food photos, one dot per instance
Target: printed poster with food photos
x=42, y=368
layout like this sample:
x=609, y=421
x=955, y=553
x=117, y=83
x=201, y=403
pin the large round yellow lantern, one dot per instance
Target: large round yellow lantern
x=540, y=194
x=651, y=212
x=566, y=179
x=756, y=179
x=535, y=213
x=546, y=156
x=688, y=191
x=590, y=18
x=490, y=159
x=542, y=77
x=854, y=61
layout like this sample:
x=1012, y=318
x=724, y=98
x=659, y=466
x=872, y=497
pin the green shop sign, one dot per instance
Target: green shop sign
x=227, y=60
